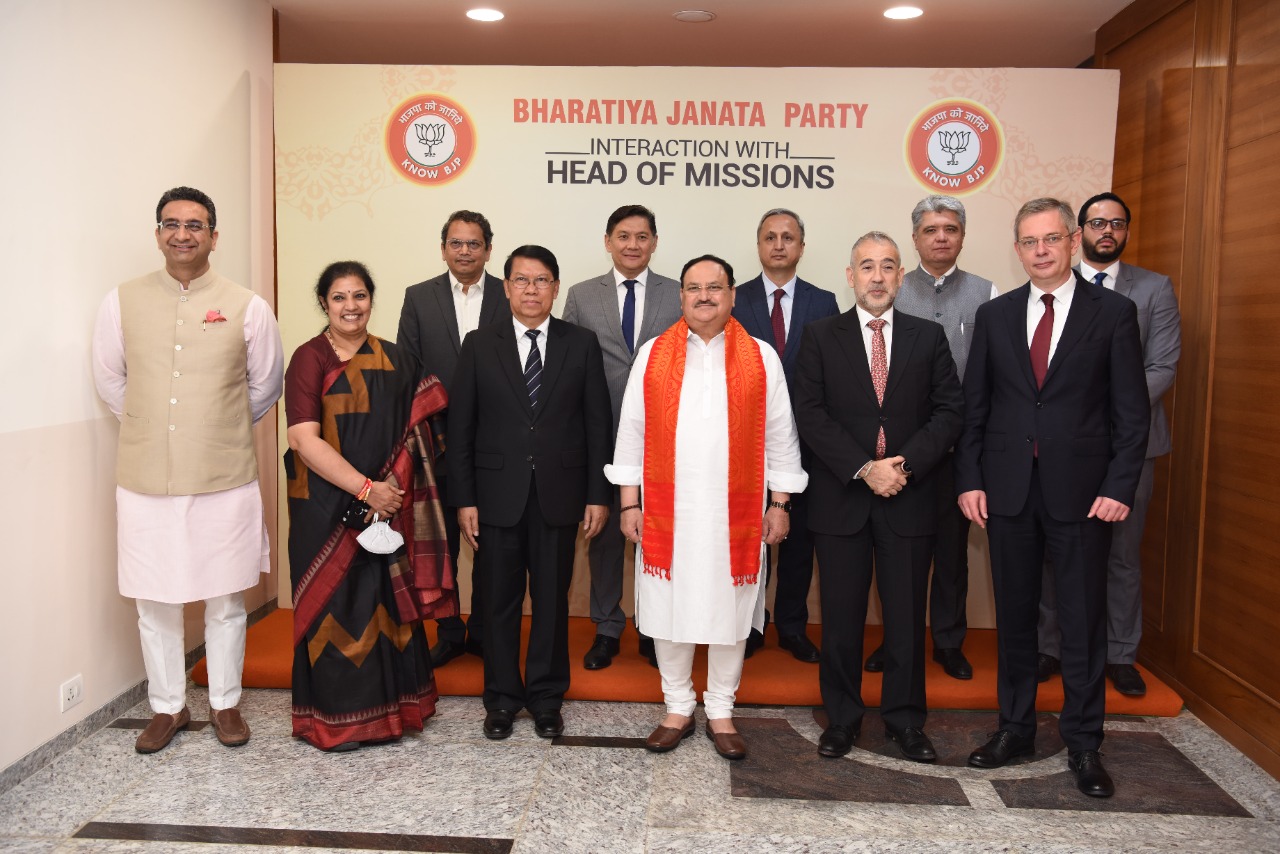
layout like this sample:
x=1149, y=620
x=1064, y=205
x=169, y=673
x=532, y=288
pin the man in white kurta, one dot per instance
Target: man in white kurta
x=188, y=361
x=700, y=602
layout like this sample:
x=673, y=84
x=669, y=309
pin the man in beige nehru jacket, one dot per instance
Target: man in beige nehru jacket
x=188, y=361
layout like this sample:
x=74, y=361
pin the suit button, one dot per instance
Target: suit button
x=882, y=418
x=528, y=459
x=532, y=428
x=937, y=314
x=1039, y=405
x=1030, y=438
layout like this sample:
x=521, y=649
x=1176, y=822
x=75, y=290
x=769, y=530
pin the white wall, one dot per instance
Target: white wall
x=104, y=106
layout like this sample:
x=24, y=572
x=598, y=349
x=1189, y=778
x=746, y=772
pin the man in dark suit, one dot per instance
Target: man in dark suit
x=436, y=316
x=625, y=308
x=879, y=402
x=529, y=436
x=1056, y=420
x=775, y=307
x=1104, y=227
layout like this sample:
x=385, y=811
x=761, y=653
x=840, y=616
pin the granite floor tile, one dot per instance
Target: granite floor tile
x=20, y=845
x=589, y=800
x=1255, y=789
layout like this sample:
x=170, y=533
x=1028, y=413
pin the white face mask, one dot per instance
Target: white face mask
x=379, y=538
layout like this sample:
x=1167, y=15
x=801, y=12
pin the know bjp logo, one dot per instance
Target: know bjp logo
x=430, y=139
x=954, y=146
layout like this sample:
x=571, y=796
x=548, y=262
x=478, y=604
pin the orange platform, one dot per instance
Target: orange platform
x=770, y=677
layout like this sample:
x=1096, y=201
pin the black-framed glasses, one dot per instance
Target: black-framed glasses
x=1100, y=224
x=523, y=282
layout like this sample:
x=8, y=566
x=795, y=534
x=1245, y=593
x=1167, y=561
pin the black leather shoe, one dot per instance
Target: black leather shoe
x=445, y=651
x=1002, y=747
x=755, y=640
x=475, y=647
x=915, y=745
x=548, y=724
x=799, y=646
x=1046, y=666
x=838, y=740
x=1127, y=679
x=497, y=723
x=875, y=661
x=647, y=650
x=954, y=663
x=601, y=654
x=1091, y=777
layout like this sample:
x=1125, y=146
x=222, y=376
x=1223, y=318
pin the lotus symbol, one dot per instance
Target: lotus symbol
x=951, y=141
x=431, y=134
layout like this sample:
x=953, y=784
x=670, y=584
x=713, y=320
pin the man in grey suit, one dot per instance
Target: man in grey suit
x=1104, y=223
x=940, y=291
x=625, y=307
x=436, y=316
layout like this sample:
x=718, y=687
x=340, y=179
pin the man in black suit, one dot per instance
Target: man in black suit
x=1056, y=421
x=879, y=403
x=530, y=431
x=775, y=307
x=436, y=316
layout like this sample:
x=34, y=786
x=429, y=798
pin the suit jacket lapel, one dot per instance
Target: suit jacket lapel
x=553, y=357
x=1015, y=315
x=608, y=293
x=1084, y=307
x=904, y=341
x=443, y=292
x=492, y=301
x=655, y=296
x=799, y=311
x=1124, y=280
x=855, y=350
x=509, y=356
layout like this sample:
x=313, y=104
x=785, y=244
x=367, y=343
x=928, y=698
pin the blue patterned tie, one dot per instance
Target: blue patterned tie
x=1100, y=280
x=533, y=367
x=629, y=315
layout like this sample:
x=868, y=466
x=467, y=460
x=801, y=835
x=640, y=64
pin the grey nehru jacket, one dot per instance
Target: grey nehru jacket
x=952, y=304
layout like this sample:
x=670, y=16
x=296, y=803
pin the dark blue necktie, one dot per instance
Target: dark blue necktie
x=629, y=315
x=533, y=367
x=1100, y=280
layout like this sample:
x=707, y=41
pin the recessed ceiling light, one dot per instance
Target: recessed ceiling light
x=903, y=13
x=694, y=16
x=486, y=15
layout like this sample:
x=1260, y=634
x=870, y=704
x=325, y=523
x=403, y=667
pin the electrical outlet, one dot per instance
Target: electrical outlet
x=71, y=692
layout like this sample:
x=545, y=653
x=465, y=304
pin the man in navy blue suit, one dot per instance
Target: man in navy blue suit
x=775, y=307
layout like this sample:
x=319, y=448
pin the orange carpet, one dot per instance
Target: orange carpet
x=770, y=677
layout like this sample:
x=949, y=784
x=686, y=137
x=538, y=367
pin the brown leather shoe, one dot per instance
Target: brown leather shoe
x=728, y=744
x=161, y=731
x=666, y=738
x=229, y=726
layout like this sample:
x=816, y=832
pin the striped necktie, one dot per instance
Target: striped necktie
x=533, y=367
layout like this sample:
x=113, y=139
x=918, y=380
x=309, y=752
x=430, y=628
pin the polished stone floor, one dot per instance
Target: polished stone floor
x=1180, y=787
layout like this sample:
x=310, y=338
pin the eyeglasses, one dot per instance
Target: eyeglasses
x=456, y=245
x=1049, y=241
x=709, y=290
x=194, y=226
x=1101, y=224
x=522, y=283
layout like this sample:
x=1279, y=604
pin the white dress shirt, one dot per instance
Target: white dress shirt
x=788, y=299
x=523, y=344
x=865, y=317
x=1090, y=273
x=641, y=280
x=466, y=304
x=1062, y=296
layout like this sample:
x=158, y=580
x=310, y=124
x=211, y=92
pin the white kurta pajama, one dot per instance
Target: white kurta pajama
x=700, y=604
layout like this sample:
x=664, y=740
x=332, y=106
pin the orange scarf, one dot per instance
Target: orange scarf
x=746, y=386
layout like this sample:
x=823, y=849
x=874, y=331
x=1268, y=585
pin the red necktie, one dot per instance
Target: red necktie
x=1040, y=341
x=779, y=323
x=879, y=372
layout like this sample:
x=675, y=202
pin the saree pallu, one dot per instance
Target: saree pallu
x=361, y=665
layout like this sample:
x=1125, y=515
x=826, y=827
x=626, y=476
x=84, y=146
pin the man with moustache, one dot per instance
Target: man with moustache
x=625, y=307
x=1104, y=221
x=775, y=307
x=436, y=317
x=529, y=436
x=705, y=440
x=940, y=291
x=1055, y=433
x=188, y=361
x=878, y=401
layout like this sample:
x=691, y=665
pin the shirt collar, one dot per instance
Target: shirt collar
x=1062, y=293
x=457, y=286
x=1090, y=272
x=945, y=275
x=865, y=317
x=521, y=329
x=770, y=286
x=640, y=279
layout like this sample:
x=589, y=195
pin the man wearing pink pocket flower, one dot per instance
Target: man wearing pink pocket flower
x=188, y=361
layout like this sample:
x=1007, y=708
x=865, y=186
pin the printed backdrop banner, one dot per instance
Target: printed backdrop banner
x=370, y=161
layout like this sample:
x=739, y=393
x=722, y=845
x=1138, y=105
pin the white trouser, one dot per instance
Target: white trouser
x=724, y=672
x=160, y=627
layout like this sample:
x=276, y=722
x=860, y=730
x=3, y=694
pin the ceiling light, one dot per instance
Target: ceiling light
x=694, y=16
x=486, y=15
x=903, y=13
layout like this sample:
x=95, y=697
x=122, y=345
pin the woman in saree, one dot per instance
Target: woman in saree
x=360, y=444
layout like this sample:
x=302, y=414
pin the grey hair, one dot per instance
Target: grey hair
x=877, y=237
x=1044, y=205
x=937, y=204
x=781, y=212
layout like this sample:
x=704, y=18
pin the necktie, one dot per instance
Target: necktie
x=629, y=315
x=879, y=372
x=1100, y=280
x=533, y=367
x=1040, y=341
x=778, y=321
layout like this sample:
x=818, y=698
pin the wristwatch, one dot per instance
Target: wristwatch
x=906, y=469
x=784, y=506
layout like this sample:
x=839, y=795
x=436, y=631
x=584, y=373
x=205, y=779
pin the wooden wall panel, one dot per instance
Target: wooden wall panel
x=1255, y=78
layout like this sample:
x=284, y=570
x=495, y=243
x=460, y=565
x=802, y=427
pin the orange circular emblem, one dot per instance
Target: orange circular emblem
x=954, y=146
x=430, y=139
